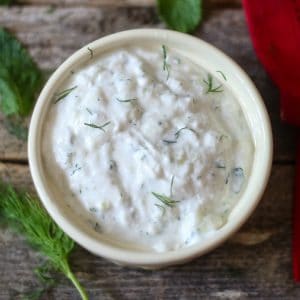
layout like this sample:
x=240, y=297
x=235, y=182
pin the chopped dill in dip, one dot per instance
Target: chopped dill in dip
x=147, y=147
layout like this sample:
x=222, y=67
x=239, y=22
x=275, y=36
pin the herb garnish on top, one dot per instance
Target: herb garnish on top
x=166, y=200
x=63, y=94
x=210, y=85
x=126, y=100
x=91, y=52
x=101, y=127
x=165, y=64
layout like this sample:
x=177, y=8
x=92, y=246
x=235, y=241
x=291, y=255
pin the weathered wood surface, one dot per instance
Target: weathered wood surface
x=255, y=263
x=124, y=3
x=127, y=3
x=52, y=37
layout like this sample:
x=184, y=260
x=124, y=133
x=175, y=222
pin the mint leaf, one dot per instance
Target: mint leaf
x=181, y=15
x=20, y=78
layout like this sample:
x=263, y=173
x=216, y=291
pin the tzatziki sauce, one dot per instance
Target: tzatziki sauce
x=147, y=147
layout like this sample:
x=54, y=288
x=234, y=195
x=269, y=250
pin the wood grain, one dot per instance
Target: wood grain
x=123, y=3
x=120, y=3
x=254, y=264
x=52, y=37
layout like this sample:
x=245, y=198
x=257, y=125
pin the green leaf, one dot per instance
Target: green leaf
x=165, y=199
x=6, y=2
x=26, y=215
x=210, y=85
x=181, y=15
x=20, y=78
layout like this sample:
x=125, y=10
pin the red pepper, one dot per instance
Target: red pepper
x=274, y=27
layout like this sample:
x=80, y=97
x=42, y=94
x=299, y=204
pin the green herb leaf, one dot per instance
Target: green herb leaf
x=169, y=141
x=171, y=186
x=165, y=199
x=91, y=52
x=46, y=275
x=177, y=135
x=168, y=201
x=165, y=64
x=126, y=100
x=20, y=78
x=63, y=94
x=178, y=132
x=210, y=85
x=26, y=215
x=6, y=2
x=181, y=15
x=101, y=127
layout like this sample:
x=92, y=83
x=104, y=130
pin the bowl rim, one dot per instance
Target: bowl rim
x=122, y=255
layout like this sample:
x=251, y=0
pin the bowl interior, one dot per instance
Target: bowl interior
x=210, y=59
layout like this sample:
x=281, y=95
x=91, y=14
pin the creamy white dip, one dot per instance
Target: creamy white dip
x=147, y=147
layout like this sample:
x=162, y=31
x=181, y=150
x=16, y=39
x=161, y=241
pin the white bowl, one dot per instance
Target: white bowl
x=210, y=59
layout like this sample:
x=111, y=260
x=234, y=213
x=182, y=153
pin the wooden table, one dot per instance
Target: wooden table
x=254, y=263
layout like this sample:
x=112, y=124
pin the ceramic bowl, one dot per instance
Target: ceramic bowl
x=209, y=58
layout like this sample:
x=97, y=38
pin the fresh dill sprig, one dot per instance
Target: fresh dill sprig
x=64, y=94
x=27, y=216
x=91, y=52
x=168, y=201
x=222, y=74
x=165, y=199
x=171, y=186
x=44, y=273
x=210, y=86
x=169, y=141
x=177, y=133
x=101, y=127
x=126, y=100
x=165, y=64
